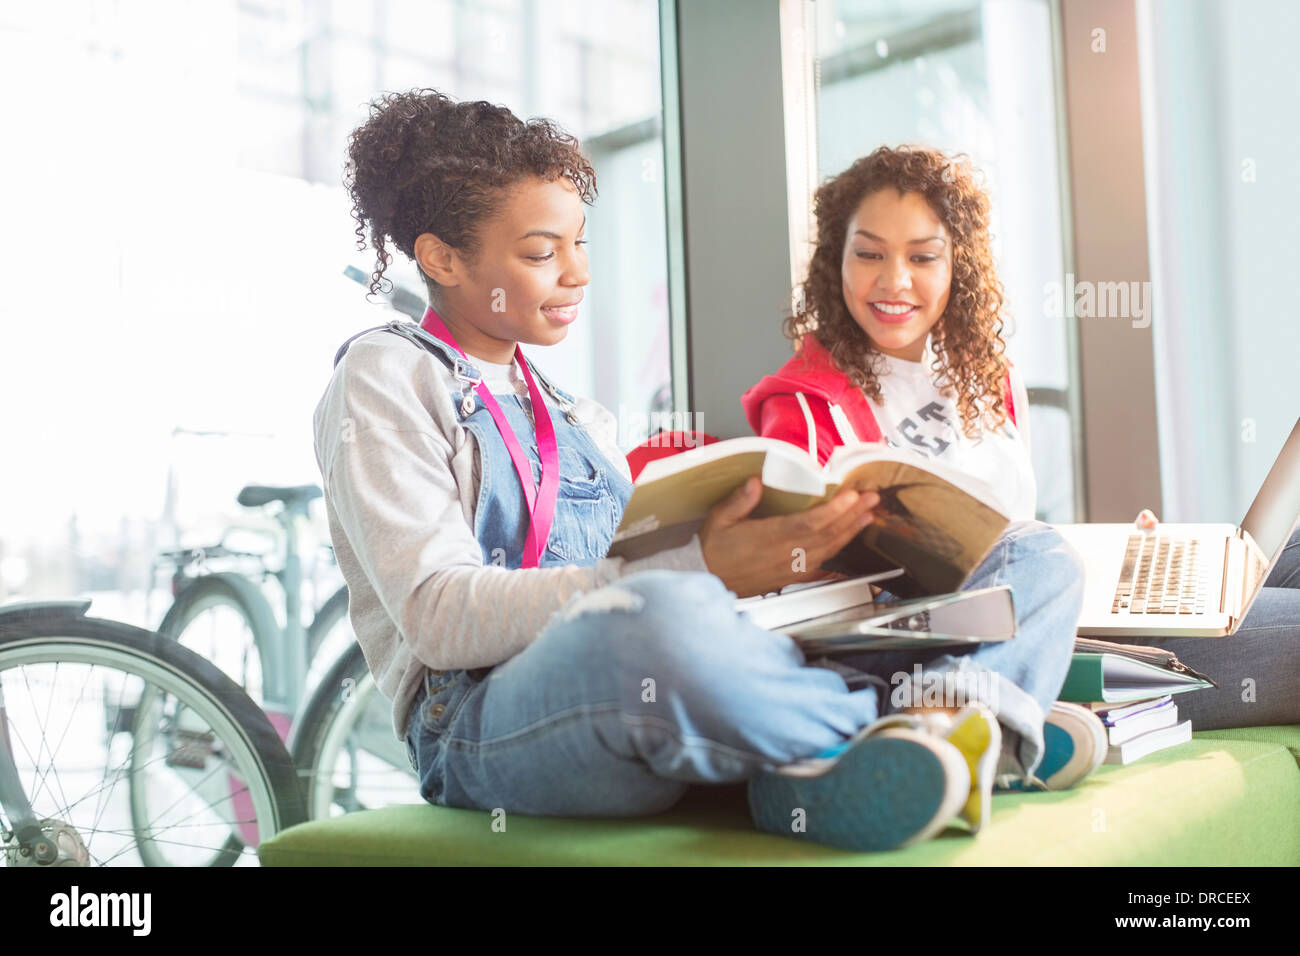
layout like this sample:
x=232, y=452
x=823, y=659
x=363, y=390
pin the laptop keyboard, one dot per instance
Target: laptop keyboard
x=1160, y=575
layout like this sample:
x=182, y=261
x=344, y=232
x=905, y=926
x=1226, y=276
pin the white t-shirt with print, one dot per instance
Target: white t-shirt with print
x=915, y=414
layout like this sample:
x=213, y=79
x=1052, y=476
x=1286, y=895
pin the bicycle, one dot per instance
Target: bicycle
x=240, y=630
x=207, y=775
x=341, y=737
x=341, y=734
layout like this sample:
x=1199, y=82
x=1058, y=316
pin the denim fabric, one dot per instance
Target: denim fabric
x=638, y=689
x=590, y=501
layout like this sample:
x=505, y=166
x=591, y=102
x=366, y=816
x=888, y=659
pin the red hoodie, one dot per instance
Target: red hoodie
x=839, y=411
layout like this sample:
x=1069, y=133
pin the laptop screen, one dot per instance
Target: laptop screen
x=1273, y=513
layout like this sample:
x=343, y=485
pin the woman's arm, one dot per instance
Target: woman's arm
x=396, y=498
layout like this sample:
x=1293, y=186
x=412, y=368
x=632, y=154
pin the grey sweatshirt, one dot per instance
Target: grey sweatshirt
x=401, y=479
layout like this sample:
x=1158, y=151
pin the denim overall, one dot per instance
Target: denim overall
x=635, y=690
x=589, y=504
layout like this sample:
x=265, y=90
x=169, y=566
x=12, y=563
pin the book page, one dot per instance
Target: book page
x=785, y=473
x=934, y=529
x=845, y=459
x=673, y=495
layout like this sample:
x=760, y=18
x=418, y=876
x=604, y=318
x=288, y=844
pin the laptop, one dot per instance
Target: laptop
x=1187, y=580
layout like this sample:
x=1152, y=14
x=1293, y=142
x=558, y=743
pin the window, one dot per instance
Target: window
x=183, y=234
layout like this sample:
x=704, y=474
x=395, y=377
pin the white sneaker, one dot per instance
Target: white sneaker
x=1075, y=744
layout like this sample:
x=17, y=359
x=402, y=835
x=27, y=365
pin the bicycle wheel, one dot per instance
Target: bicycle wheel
x=331, y=627
x=76, y=692
x=224, y=619
x=344, y=746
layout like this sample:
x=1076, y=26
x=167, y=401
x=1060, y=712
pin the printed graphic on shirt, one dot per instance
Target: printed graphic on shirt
x=930, y=429
x=924, y=429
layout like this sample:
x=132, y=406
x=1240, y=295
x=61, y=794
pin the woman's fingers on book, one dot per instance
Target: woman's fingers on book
x=846, y=531
x=825, y=535
x=845, y=507
x=736, y=505
x=758, y=555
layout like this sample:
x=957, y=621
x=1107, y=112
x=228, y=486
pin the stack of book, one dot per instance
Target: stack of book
x=1141, y=728
x=1132, y=688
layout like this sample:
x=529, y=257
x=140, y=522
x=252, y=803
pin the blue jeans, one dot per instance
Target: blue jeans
x=641, y=688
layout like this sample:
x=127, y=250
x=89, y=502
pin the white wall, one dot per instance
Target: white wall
x=1220, y=89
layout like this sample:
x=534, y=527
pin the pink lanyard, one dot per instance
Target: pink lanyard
x=541, y=504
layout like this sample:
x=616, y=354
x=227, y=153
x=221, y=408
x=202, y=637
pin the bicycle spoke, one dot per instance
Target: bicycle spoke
x=106, y=786
x=210, y=806
x=39, y=778
x=161, y=758
x=68, y=726
x=194, y=846
x=101, y=810
x=88, y=833
x=39, y=782
x=207, y=780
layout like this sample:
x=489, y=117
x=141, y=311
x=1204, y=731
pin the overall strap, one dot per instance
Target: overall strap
x=459, y=367
x=541, y=500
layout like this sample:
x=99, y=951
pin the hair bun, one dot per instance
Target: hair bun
x=423, y=162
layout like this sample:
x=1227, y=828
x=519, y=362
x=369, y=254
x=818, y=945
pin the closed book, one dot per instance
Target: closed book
x=1149, y=743
x=1135, y=725
x=1109, y=713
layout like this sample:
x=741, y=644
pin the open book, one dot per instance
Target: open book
x=934, y=522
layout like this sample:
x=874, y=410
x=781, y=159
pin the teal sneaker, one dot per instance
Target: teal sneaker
x=1075, y=744
x=883, y=790
x=975, y=732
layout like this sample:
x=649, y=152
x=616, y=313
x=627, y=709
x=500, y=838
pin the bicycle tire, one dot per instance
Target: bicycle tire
x=331, y=613
x=343, y=697
x=203, y=594
x=237, y=593
x=43, y=636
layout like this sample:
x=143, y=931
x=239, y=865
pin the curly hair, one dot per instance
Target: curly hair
x=424, y=163
x=967, y=339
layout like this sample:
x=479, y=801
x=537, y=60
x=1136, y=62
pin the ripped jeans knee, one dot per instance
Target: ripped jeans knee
x=658, y=592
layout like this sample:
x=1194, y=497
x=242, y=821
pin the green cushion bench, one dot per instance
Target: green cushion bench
x=1228, y=797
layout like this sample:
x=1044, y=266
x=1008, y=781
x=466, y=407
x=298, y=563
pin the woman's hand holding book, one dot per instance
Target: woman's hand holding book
x=760, y=555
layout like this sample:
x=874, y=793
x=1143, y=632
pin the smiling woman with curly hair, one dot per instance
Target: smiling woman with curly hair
x=898, y=327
